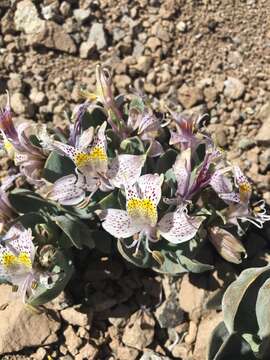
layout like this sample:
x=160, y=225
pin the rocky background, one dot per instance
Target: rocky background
x=208, y=56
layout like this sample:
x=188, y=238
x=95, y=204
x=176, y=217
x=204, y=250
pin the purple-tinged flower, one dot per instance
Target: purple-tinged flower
x=239, y=201
x=9, y=133
x=141, y=215
x=72, y=190
x=27, y=156
x=178, y=227
x=190, y=181
x=17, y=253
x=140, y=219
x=7, y=212
x=104, y=95
x=184, y=135
x=90, y=154
x=148, y=127
x=76, y=128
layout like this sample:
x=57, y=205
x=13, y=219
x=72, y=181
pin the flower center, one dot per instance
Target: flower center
x=9, y=260
x=244, y=190
x=143, y=210
x=96, y=153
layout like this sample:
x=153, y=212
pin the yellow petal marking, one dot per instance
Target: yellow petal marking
x=9, y=260
x=96, y=153
x=143, y=210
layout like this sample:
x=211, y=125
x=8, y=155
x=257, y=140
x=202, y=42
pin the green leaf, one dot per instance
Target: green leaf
x=193, y=266
x=166, y=161
x=224, y=346
x=94, y=118
x=25, y=201
x=77, y=231
x=263, y=315
x=110, y=201
x=137, y=104
x=238, y=299
x=102, y=240
x=170, y=265
x=133, y=146
x=142, y=259
x=57, y=166
x=62, y=272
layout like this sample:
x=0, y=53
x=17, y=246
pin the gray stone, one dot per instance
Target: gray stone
x=18, y=103
x=38, y=97
x=122, y=81
x=181, y=26
x=245, y=143
x=49, y=11
x=65, y=8
x=87, y=49
x=263, y=134
x=81, y=15
x=97, y=35
x=27, y=19
x=234, y=88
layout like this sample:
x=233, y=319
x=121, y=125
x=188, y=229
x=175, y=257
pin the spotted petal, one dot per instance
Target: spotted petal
x=119, y=224
x=68, y=190
x=178, y=227
x=125, y=169
x=243, y=184
x=220, y=183
x=20, y=240
x=181, y=169
x=150, y=187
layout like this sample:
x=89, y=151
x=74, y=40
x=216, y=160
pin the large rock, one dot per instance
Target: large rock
x=53, y=36
x=41, y=32
x=139, y=332
x=22, y=327
x=97, y=35
x=27, y=19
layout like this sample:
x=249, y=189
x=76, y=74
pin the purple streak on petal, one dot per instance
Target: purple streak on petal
x=76, y=131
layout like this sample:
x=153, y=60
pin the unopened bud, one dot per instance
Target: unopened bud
x=227, y=245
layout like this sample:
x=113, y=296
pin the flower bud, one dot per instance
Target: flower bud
x=227, y=245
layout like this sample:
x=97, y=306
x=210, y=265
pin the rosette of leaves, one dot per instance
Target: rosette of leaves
x=245, y=333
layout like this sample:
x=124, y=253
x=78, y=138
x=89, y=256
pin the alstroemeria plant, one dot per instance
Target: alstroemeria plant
x=161, y=191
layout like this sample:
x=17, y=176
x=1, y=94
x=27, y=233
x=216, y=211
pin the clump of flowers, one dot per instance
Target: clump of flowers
x=155, y=184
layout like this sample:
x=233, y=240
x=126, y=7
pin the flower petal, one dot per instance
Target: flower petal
x=125, y=169
x=178, y=227
x=119, y=224
x=243, y=184
x=18, y=240
x=150, y=187
x=220, y=183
